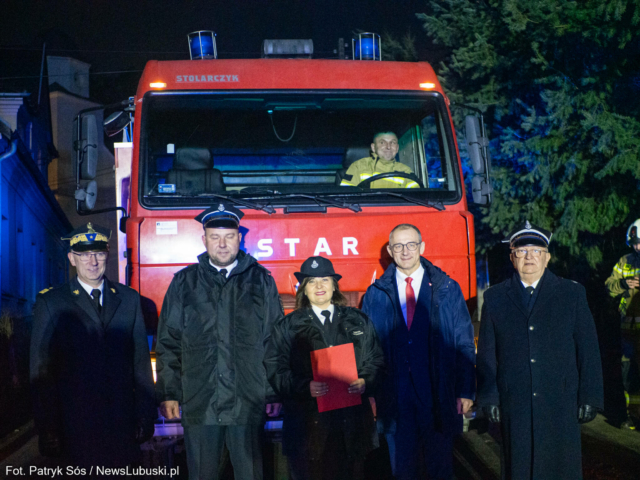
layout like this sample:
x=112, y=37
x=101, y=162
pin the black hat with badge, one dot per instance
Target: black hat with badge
x=224, y=215
x=316, y=267
x=528, y=234
x=89, y=237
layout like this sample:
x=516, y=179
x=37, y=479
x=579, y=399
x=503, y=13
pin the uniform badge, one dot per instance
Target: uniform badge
x=527, y=225
x=76, y=292
x=221, y=207
x=314, y=264
x=113, y=290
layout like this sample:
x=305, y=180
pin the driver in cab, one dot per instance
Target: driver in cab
x=382, y=160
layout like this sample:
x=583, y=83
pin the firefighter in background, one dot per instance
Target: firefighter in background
x=92, y=385
x=384, y=149
x=214, y=327
x=624, y=285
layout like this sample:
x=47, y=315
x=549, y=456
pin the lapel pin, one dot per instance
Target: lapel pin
x=113, y=290
x=76, y=292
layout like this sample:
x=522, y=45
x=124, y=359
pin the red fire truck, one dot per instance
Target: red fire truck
x=275, y=137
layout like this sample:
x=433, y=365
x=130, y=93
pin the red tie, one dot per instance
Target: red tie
x=411, y=302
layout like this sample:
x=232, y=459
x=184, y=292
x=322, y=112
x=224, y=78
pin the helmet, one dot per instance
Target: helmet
x=633, y=233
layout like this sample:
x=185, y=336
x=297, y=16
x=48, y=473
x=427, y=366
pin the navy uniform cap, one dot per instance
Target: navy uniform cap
x=88, y=237
x=316, y=267
x=224, y=215
x=528, y=234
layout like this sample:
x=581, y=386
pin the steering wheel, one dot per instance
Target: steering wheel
x=411, y=176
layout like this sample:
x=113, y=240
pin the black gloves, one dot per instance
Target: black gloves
x=492, y=412
x=49, y=444
x=144, y=431
x=586, y=413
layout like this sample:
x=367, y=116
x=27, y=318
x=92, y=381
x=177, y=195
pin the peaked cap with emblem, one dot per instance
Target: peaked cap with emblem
x=89, y=237
x=528, y=234
x=316, y=267
x=223, y=215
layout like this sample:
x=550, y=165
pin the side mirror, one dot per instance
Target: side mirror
x=481, y=190
x=476, y=144
x=87, y=196
x=88, y=145
x=115, y=123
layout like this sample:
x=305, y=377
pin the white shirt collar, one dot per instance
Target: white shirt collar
x=534, y=284
x=88, y=288
x=228, y=267
x=318, y=311
x=417, y=275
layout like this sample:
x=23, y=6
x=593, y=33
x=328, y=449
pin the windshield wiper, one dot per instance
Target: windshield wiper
x=437, y=205
x=273, y=194
x=237, y=201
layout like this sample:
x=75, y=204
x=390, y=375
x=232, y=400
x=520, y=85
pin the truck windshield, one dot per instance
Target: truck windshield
x=275, y=145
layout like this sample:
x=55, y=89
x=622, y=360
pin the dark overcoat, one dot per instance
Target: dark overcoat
x=539, y=367
x=212, y=336
x=91, y=373
x=451, y=346
x=288, y=364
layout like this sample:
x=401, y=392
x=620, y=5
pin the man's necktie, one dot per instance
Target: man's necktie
x=530, y=292
x=223, y=272
x=411, y=301
x=95, y=294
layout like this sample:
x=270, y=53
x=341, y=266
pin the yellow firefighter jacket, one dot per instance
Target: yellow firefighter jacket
x=627, y=267
x=367, y=167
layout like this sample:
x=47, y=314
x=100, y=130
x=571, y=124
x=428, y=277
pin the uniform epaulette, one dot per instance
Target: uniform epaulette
x=45, y=290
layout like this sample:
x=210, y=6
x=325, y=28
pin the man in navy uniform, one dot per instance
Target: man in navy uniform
x=214, y=327
x=91, y=377
x=425, y=330
x=539, y=370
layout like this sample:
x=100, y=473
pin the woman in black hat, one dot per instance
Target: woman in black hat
x=332, y=444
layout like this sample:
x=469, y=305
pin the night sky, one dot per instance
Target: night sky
x=121, y=36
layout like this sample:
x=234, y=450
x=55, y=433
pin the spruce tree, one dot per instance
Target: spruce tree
x=559, y=83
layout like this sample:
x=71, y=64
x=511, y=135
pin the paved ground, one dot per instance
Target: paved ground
x=608, y=454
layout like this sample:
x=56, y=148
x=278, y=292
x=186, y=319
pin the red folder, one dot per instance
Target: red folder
x=336, y=366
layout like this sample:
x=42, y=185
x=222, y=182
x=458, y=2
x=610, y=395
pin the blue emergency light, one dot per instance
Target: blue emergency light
x=366, y=47
x=202, y=45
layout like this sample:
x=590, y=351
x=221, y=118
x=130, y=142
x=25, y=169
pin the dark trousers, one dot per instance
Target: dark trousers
x=205, y=445
x=333, y=464
x=416, y=445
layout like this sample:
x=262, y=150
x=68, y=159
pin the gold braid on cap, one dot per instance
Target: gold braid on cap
x=83, y=238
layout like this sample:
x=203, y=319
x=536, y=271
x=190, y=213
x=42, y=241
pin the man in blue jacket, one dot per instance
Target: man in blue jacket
x=423, y=323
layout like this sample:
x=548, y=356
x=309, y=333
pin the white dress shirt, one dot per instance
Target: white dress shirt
x=228, y=267
x=416, y=283
x=88, y=289
x=534, y=284
x=318, y=311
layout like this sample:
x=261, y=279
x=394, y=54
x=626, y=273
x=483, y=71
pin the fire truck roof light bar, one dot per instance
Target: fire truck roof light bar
x=158, y=85
x=288, y=48
x=366, y=47
x=428, y=85
x=202, y=45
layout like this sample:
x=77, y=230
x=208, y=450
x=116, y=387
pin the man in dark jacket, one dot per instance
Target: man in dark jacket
x=213, y=330
x=539, y=371
x=91, y=377
x=423, y=323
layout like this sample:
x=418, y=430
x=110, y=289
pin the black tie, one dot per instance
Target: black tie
x=223, y=272
x=530, y=292
x=327, y=319
x=95, y=294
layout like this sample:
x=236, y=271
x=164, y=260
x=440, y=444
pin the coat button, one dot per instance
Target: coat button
x=531, y=327
x=410, y=342
x=535, y=394
x=533, y=360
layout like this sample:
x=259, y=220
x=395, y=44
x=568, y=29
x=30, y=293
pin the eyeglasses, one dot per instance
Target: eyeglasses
x=319, y=281
x=534, y=252
x=86, y=256
x=411, y=246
